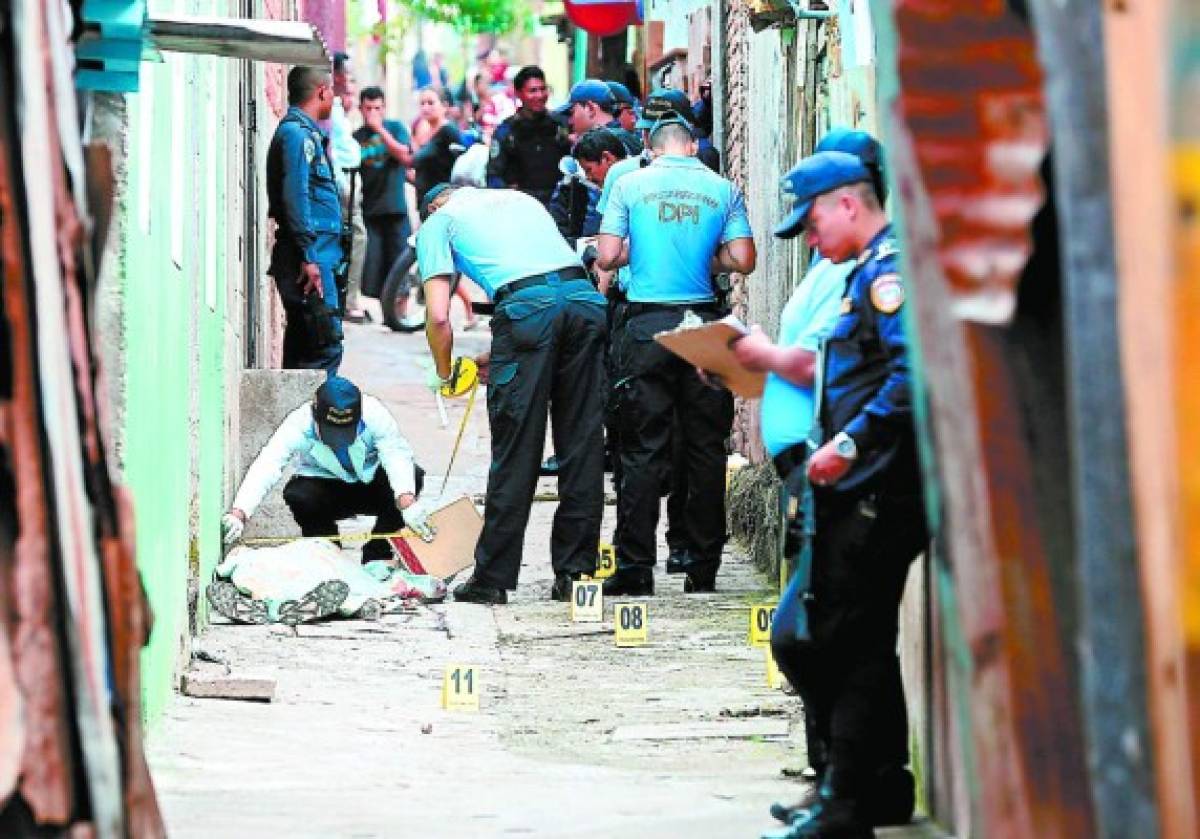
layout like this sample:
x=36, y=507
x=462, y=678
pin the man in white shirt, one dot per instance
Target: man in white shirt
x=351, y=459
x=347, y=154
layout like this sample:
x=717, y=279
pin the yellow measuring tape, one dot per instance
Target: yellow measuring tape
x=462, y=426
x=342, y=537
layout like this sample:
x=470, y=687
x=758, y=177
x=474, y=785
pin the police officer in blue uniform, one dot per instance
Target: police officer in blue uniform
x=527, y=146
x=670, y=221
x=547, y=356
x=870, y=521
x=302, y=197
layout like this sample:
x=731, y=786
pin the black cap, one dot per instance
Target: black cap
x=662, y=104
x=337, y=409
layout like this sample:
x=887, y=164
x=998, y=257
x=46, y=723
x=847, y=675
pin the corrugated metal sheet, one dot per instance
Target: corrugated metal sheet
x=970, y=92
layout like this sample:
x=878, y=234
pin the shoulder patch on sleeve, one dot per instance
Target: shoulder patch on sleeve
x=887, y=293
x=885, y=250
x=310, y=149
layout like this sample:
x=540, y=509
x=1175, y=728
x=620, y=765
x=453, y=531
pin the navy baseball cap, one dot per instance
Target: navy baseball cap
x=337, y=409
x=621, y=94
x=661, y=103
x=588, y=90
x=863, y=146
x=814, y=176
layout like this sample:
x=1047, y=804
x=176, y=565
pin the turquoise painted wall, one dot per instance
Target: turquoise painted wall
x=174, y=298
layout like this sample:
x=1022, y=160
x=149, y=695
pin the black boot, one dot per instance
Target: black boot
x=891, y=798
x=785, y=812
x=700, y=581
x=677, y=561
x=473, y=591
x=561, y=590
x=630, y=582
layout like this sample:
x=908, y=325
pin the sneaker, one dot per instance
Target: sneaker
x=321, y=602
x=475, y=592
x=226, y=600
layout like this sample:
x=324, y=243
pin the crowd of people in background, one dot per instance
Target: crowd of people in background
x=492, y=127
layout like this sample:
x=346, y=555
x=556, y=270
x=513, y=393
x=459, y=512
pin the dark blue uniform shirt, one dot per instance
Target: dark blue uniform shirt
x=302, y=197
x=868, y=380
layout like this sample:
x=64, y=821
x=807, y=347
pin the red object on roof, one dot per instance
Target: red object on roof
x=602, y=18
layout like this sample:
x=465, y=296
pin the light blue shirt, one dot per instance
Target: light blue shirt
x=815, y=305
x=623, y=167
x=618, y=170
x=494, y=236
x=675, y=212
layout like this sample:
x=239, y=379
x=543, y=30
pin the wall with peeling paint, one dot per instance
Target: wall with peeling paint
x=174, y=309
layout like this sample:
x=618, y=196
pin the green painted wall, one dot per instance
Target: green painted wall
x=174, y=303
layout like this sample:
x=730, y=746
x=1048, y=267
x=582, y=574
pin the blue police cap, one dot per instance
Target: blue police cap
x=662, y=102
x=588, y=90
x=813, y=176
x=621, y=94
x=337, y=409
x=863, y=146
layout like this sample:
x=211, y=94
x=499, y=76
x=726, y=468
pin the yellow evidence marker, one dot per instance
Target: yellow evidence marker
x=632, y=623
x=761, y=617
x=460, y=688
x=587, y=601
x=774, y=676
x=606, y=562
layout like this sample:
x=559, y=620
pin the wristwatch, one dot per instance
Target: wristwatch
x=844, y=445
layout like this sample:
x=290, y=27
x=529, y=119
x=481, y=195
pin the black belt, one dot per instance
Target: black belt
x=573, y=272
x=634, y=309
x=789, y=459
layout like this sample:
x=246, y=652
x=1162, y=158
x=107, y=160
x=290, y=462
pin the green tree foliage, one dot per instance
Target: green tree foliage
x=468, y=17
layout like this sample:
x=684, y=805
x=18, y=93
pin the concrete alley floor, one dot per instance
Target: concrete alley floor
x=571, y=737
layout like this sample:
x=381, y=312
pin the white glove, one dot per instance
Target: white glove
x=416, y=518
x=435, y=382
x=232, y=527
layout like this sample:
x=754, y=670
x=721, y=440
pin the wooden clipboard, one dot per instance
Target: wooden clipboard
x=707, y=346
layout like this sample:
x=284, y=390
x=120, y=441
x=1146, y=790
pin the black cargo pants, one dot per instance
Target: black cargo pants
x=547, y=357
x=848, y=674
x=653, y=386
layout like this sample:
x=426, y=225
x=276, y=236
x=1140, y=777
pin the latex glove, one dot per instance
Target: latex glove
x=416, y=519
x=433, y=381
x=232, y=526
